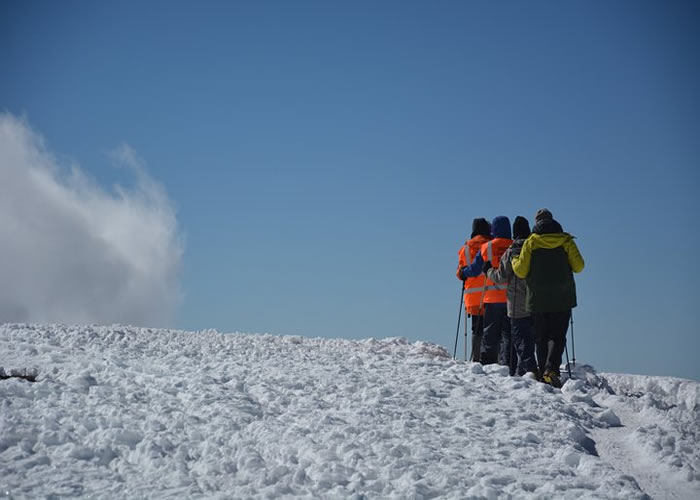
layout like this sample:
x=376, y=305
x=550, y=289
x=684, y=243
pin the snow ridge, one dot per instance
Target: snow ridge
x=132, y=412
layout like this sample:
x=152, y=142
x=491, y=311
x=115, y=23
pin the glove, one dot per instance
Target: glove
x=460, y=273
x=487, y=265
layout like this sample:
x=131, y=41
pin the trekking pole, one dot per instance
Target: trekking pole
x=465, y=337
x=573, y=346
x=459, y=319
x=568, y=366
x=512, y=337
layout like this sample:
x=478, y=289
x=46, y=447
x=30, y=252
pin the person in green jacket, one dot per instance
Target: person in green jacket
x=547, y=261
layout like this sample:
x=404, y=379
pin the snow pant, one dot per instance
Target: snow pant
x=523, y=335
x=550, y=337
x=496, y=326
x=477, y=334
x=506, y=353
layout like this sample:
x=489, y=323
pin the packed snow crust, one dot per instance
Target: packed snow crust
x=122, y=412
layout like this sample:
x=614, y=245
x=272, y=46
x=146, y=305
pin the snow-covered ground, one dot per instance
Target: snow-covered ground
x=121, y=412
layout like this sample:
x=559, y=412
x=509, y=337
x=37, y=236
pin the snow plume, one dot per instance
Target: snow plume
x=71, y=252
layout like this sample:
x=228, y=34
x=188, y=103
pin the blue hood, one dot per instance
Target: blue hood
x=500, y=227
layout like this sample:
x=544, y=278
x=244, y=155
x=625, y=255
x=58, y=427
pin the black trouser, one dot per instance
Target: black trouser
x=477, y=334
x=497, y=326
x=506, y=354
x=550, y=337
x=524, y=339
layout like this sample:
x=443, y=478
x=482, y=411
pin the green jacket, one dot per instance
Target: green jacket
x=546, y=262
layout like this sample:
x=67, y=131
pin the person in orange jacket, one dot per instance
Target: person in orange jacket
x=496, y=345
x=474, y=286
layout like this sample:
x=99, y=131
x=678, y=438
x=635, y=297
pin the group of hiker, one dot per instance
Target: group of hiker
x=519, y=291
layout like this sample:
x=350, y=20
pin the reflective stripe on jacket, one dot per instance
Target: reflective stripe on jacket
x=492, y=251
x=473, y=287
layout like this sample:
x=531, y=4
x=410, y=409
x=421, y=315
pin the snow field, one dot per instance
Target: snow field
x=129, y=412
x=661, y=447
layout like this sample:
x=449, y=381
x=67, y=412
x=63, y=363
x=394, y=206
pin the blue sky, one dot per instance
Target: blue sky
x=326, y=159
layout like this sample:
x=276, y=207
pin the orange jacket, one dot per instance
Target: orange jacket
x=492, y=251
x=473, y=287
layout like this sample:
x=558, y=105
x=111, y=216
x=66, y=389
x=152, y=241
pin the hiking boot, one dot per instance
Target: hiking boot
x=552, y=378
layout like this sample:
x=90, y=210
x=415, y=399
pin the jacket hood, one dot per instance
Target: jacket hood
x=552, y=240
x=500, y=227
x=547, y=226
x=481, y=226
x=521, y=228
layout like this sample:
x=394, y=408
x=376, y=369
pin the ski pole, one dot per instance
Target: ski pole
x=459, y=319
x=512, y=337
x=568, y=366
x=573, y=346
x=466, y=317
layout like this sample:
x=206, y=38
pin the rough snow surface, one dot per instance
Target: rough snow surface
x=659, y=443
x=121, y=412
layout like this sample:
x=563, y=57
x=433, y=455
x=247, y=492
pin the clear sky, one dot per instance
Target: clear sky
x=326, y=159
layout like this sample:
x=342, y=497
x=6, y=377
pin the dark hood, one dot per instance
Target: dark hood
x=545, y=223
x=481, y=226
x=521, y=228
x=547, y=226
x=500, y=227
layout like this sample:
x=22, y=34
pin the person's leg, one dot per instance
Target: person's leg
x=515, y=337
x=491, y=341
x=504, y=354
x=516, y=327
x=540, y=328
x=477, y=333
x=559, y=324
x=510, y=356
x=527, y=355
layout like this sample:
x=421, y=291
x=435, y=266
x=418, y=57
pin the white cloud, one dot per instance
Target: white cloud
x=70, y=252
